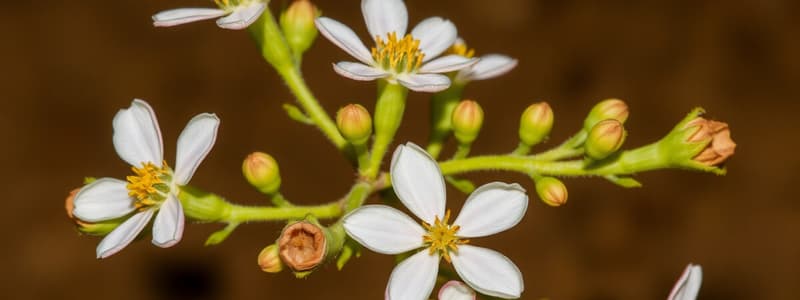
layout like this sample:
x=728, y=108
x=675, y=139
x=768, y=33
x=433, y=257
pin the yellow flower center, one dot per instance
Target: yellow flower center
x=460, y=48
x=150, y=184
x=401, y=56
x=442, y=237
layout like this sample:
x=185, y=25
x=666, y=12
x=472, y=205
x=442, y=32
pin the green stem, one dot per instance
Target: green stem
x=462, y=151
x=241, y=214
x=357, y=195
x=522, y=149
x=570, y=148
x=311, y=106
x=280, y=201
x=388, y=116
x=442, y=106
x=362, y=156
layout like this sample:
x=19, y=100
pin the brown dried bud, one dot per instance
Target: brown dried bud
x=721, y=146
x=302, y=246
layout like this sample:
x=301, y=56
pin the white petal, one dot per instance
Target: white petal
x=103, y=199
x=358, y=71
x=195, y=142
x=447, y=63
x=490, y=66
x=344, y=37
x=384, y=229
x=435, y=35
x=429, y=83
x=242, y=16
x=185, y=15
x=688, y=285
x=492, y=208
x=123, y=234
x=414, y=278
x=137, y=137
x=168, y=226
x=456, y=290
x=488, y=272
x=418, y=182
x=385, y=16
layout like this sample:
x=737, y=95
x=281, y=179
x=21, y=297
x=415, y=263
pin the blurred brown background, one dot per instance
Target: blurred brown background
x=68, y=66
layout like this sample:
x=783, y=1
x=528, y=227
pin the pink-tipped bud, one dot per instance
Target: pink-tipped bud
x=467, y=121
x=552, y=191
x=607, y=109
x=604, y=139
x=535, y=123
x=261, y=171
x=355, y=123
x=269, y=259
x=297, y=23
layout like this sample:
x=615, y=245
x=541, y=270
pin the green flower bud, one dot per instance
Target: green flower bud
x=202, y=206
x=297, y=23
x=607, y=109
x=98, y=228
x=467, y=121
x=604, y=139
x=552, y=191
x=261, y=171
x=355, y=123
x=269, y=259
x=535, y=123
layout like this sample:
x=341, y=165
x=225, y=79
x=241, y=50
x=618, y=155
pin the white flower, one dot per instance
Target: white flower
x=489, y=66
x=688, y=285
x=418, y=182
x=397, y=56
x=153, y=187
x=456, y=290
x=232, y=14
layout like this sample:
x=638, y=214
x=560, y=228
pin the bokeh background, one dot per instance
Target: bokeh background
x=68, y=66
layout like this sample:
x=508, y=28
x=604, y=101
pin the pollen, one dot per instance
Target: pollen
x=461, y=49
x=398, y=55
x=149, y=184
x=442, y=237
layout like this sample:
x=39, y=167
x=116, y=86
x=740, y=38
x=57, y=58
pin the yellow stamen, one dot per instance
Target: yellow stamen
x=460, y=48
x=400, y=56
x=149, y=185
x=442, y=237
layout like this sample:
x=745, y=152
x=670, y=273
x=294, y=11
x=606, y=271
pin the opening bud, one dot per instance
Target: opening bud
x=354, y=123
x=297, y=23
x=456, y=290
x=302, y=246
x=467, y=121
x=717, y=135
x=99, y=228
x=604, y=139
x=552, y=191
x=607, y=109
x=261, y=171
x=269, y=259
x=535, y=123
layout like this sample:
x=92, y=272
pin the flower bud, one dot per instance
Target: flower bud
x=467, y=121
x=202, y=206
x=297, y=23
x=718, y=136
x=269, y=259
x=607, y=109
x=99, y=228
x=261, y=171
x=604, y=139
x=552, y=191
x=302, y=246
x=535, y=123
x=456, y=290
x=355, y=123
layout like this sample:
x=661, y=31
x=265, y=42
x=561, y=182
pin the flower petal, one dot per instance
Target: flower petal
x=103, y=199
x=344, y=37
x=413, y=278
x=168, y=226
x=385, y=16
x=137, y=137
x=490, y=66
x=488, y=272
x=492, y=208
x=435, y=35
x=384, y=229
x=688, y=285
x=429, y=83
x=456, y=290
x=358, y=71
x=242, y=16
x=123, y=234
x=447, y=63
x=195, y=142
x=418, y=182
x=180, y=16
